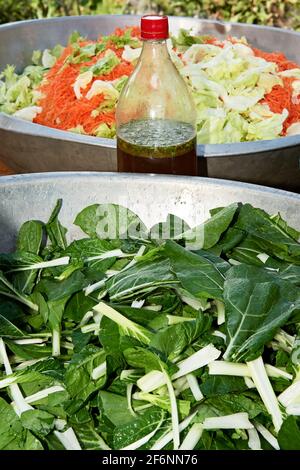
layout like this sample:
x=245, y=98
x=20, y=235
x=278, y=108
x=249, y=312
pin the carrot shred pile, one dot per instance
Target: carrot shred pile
x=60, y=107
x=281, y=97
x=62, y=110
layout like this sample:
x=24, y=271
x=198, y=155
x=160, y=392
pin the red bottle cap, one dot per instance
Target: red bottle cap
x=154, y=27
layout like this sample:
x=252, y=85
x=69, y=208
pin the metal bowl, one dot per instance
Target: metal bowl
x=25, y=197
x=28, y=147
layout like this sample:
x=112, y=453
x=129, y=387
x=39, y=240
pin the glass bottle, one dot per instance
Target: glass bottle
x=156, y=115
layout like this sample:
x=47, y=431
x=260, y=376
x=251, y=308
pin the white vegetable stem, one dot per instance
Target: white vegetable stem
x=194, y=386
x=164, y=440
x=174, y=412
x=129, y=399
x=46, y=264
x=15, y=391
x=234, y=421
x=173, y=319
x=68, y=439
x=197, y=360
x=220, y=312
x=99, y=371
x=264, y=387
x=91, y=288
x=109, y=254
x=201, y=358
x=290, y=395
x=151, y=381
x=242, y=370
x=55, y=343
x=267, y=435
x=30, y=341
x=192, y=438
x=44, y=393
x=140, y=332
x=293, y=409
x=253, y=441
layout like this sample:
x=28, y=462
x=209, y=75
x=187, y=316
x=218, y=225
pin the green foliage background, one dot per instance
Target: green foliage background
x=282, y=13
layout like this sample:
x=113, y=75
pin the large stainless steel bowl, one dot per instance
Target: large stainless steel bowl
x=25, y=197
x=29, y=147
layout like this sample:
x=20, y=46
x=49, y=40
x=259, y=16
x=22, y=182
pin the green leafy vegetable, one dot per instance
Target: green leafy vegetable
x=171, y=337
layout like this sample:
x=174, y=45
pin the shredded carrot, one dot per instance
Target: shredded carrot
x=281, y=97
x=278, y=57
x=60, y=107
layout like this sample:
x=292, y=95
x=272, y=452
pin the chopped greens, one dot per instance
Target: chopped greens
x=136, y=338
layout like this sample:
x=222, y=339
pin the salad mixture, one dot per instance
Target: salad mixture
x=241, y=93
x=164, y=338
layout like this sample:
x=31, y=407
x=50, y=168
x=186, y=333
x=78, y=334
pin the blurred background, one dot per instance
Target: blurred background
x=281, y=13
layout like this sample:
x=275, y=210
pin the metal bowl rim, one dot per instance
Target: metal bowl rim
x=129, y=178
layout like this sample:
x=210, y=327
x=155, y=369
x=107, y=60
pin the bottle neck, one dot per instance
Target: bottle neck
x=155, y=50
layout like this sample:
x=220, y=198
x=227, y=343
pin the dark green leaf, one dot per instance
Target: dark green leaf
x=55, y=231
x=142, y=277
x=78, y=306
x=253, y=318
x=57, y=290
x=221, y=385
x=208, y=234
x=78, y=377
x=30, y=237
x=172, y=228
x=289, y=434
x=270, y=235
x=13, y=435
x=115, y=407
x=10, y=315
x=109, y=221
x=126, y=434
x=39, y=422
x=172, y=341
x=197, y=274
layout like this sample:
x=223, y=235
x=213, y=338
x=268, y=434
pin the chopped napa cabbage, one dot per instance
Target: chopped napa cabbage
x=294, y=129
x=296, y=88
x=244, y=101
x=130, y=54
x=78, y=129
x=103, y=130
x=35, y=73
x=48, y=60
x=82, y=82
x=36, y=57
x=104, y=65
x=227, y=84
x=242, y=50
x=29, y=113
x=119, y=83
x=295, y=73
x=101, y=86
x=268, y=81
x=221, y=126
x=259, y=112
x=185, y=39
x=17, y=92
x=197, y=52
x=267, y=129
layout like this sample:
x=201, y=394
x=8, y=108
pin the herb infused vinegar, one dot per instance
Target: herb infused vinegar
x=157, y=146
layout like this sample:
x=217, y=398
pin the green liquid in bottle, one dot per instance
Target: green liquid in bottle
x=157, y=146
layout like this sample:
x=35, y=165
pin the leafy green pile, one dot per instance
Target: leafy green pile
x=173, y=337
